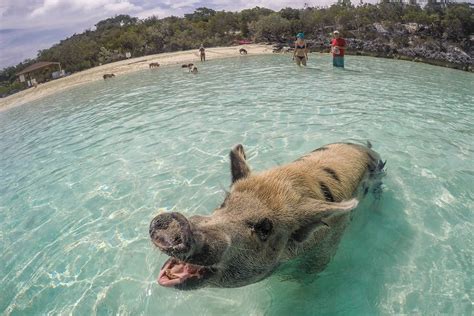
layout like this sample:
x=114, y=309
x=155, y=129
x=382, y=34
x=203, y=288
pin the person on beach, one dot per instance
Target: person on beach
x=338, y=45
x=202, y=53
x=301, y=50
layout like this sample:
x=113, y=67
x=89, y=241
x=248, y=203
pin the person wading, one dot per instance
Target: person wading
x=301, y=50
x=202, y=53
x=338, y=46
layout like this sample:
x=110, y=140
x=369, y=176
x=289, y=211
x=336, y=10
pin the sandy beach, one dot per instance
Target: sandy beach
x=123, y=67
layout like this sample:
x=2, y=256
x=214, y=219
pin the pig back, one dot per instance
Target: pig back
x=332, y=172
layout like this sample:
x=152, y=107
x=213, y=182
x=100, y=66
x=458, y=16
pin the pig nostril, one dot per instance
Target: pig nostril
x=168, y=243
x=161, y=222
x=171, y=233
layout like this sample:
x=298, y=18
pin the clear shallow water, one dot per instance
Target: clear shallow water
x=83, y=172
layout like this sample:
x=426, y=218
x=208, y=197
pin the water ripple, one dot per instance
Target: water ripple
x=83, y=172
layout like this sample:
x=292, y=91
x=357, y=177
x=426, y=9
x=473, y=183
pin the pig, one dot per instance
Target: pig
x=107, y=76
x=267, y=219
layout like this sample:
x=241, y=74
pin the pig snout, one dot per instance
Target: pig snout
x=171, y=233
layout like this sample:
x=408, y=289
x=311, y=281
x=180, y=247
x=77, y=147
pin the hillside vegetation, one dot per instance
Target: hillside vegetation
x=384, y=29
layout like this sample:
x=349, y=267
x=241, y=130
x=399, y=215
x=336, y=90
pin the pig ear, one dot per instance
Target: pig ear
x=312, y=216
x=238, y=165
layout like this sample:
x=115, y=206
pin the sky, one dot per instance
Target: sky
x=27, y=26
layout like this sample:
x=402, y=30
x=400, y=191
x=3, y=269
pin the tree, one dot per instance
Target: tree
x=200, y=14
x=271, y=28
x=458, y=20
x=290, y=14
x=117, y=21
x=345, y=3
x=245, y=17
x=223, y=22
x=131, y=41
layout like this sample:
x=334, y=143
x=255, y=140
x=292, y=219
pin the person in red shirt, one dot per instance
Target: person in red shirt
x=338, y=45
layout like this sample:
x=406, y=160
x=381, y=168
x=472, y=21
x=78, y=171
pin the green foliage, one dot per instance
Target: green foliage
x=247, y=16
x=4, y=90
x=200, y=14
x=290, y=14
x=130, y=41
x=458, y=21
x=117, y=21
x=105, y=55
x=222, y=23
x=8, y=74
x=11, y=88
x=272, y=27
x=344, y=3
x=115, y=36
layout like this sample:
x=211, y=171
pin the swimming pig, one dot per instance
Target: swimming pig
x=296, y=210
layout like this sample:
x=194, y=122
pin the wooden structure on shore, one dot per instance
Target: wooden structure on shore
x=40, y=72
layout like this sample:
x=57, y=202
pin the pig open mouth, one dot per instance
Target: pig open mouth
x=177, y=273
x=172, y=234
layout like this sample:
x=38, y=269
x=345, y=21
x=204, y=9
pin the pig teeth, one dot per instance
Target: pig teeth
x=170, y=275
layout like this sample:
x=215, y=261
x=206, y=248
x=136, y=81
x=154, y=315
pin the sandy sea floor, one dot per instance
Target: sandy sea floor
x=124, y=67
x=84, y=171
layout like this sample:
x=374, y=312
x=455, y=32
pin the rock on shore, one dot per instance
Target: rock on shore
x=410, y=41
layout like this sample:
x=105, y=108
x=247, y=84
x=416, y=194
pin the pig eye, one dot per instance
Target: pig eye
x=263, y=228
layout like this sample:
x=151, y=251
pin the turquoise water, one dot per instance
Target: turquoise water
x=83, y=172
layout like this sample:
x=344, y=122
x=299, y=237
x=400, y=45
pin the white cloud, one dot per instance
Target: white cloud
x=121, y=7
x=179, y=4
x=47, y=6
x=52, y=6
x=158, y=12
x=184, y=4
x=238, y=5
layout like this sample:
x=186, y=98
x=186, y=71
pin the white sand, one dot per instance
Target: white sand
x=123, y=67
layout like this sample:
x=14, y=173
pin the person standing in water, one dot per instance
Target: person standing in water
x=202, y=53
x=338, y=46
x=301, y=50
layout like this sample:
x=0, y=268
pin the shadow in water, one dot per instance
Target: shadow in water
x=351, y=70
x=376, y=241
x=347, y=70
x=313, y=68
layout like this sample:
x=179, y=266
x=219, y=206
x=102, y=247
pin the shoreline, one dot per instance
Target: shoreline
x=124, y=67
x=169, y=59
x=433, y=62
